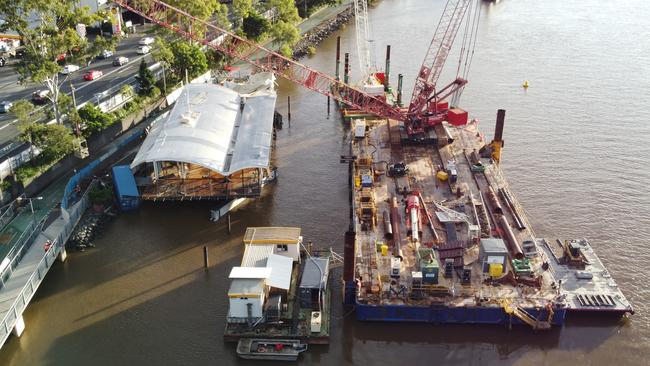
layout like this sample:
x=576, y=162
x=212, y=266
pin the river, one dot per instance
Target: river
x=577, y=155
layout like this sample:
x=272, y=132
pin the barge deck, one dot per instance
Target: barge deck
x=438, y=236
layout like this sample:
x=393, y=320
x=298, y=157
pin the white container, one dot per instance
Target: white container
x=316, y=321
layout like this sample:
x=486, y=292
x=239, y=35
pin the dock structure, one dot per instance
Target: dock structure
x=276, y=293
x=439, y=237
x=215, y=144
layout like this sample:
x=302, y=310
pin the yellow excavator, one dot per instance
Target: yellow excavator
x=526, y=317
x=493, y=149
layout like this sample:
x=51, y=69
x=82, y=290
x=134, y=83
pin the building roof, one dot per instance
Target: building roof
x=208, y=127
x=281, y=267
x=272, y=235
x=493, y=245
x=315, y=273
x=250, y=272
x=246, y=287
x=256, y=255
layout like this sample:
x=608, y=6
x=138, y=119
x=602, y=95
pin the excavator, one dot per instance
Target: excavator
x=526, y=317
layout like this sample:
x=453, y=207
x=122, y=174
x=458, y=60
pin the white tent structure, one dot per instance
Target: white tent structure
x=213, y=136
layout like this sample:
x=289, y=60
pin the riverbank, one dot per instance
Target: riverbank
x=319, y=33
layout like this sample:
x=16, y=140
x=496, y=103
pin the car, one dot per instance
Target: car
x=5, y=106
x=68, y=69
x=105, y=54
x=93, y=74
x=146, y=41
x=143, y=50
x=40, y=96
x=119, y=61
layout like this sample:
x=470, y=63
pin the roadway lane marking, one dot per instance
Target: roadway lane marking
x=118, y=70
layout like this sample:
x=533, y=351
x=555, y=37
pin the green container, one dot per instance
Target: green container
x=429, y=265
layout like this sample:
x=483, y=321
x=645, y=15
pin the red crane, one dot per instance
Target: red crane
x=423, y=110
x=232, y=45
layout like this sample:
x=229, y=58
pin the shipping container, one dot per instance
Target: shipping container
x=126, y=190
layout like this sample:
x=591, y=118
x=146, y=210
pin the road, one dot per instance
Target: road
x=85, y=91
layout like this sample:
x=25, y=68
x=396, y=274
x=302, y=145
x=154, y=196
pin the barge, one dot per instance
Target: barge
x=280, y=291
x=438, y=236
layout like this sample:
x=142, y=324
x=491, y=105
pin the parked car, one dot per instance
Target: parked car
x=40, y=96
x=146, y=41
x=93, y=74
x=119, y=61
x=68, y=69
x=5, y=106
x=143, y=50
x=105, y=54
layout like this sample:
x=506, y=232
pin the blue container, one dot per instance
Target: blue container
x=126, y=190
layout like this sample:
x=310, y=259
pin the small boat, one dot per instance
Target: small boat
x=270, y=349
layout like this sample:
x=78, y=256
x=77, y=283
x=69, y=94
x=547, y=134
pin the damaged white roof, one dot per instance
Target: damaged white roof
x=208, y=127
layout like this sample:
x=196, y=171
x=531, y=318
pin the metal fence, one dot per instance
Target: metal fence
x=86, y=173
x=20, y=247
x=8, y=214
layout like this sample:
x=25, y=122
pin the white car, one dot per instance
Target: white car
x=146, y=41
x=67, y=69
x=5, y=106
x=143, y=50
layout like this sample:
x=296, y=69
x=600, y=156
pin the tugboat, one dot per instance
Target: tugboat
x=270, y=349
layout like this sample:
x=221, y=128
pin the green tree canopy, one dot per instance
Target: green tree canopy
x=286, y=9
x=287, y=35
x=145, y=79
x=188, y=57
x=241, y=8
x=94, y=119
x=255, y=26
x=54, y=140
x=26, y=113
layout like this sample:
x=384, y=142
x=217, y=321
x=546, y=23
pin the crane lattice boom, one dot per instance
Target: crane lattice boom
x=425, y=83
x=183, y=23
x=366, y=59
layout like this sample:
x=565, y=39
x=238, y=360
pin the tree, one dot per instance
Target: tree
x=221, y=16
x=188, y=57
x=287, y=35
x=53, y=33
x=94, y=119
x=163, y=52
x=26, y=115
x=204, y=10
x=241, y=9
x=54, y=140
x=255, y=26
x=215, y=58
x=145, y=79
x=286, y=9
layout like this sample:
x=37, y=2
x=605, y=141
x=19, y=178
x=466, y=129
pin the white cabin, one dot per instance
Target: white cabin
x=247, y=293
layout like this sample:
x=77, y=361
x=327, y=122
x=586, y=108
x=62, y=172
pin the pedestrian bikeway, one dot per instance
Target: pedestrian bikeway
x=36, y=236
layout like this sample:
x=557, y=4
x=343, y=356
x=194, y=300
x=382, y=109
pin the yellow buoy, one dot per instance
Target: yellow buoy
x=525, y=84
x=442, y=175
